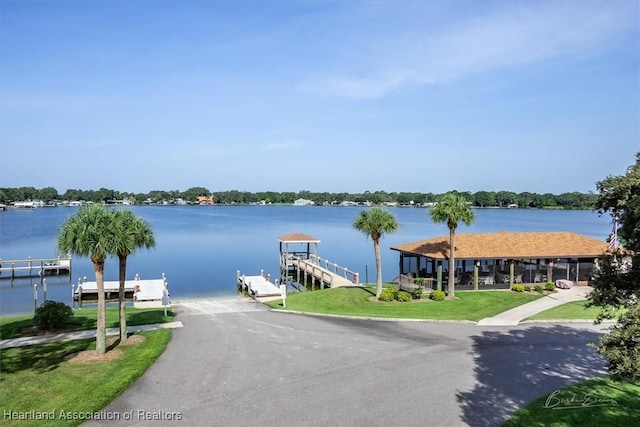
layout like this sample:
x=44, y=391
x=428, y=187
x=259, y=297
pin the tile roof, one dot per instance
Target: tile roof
x=298, y=238
x=509, y=245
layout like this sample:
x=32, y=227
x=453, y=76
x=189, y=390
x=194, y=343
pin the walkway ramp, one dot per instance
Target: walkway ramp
x=334, y=280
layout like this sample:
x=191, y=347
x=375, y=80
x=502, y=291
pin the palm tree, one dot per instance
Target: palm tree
x=452, y=209
x=375, y=222
x=90, y=233
x=132, y=233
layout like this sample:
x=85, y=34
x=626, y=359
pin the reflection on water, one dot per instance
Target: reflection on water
x=200, y=248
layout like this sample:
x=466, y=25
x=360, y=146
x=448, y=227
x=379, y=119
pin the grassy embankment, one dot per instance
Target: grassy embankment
x=42, y=378
x=594, y=403
x=576, y=310
x=357, y=301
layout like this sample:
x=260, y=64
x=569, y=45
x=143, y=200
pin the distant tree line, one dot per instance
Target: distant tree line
x=574, y=200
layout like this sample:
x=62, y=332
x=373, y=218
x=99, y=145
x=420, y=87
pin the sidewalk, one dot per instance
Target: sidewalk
x=515, y=315
x=79, y=335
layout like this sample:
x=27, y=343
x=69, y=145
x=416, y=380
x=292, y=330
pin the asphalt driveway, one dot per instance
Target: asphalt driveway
x=234, y=363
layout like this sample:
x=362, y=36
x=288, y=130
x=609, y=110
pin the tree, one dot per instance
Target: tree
x=375, y=222
x=132, y=233
x=90, y=233
x=452, y=209
x=616, y=281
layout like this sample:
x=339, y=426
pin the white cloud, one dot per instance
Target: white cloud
x=522, y=33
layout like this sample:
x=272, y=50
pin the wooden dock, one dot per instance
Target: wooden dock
x=306, y=266
x=328, y=274
x=147, y=293
x=257, y=286
x=31, y=267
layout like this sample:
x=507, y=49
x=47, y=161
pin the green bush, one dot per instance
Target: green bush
x=527, y=288
x=403, y=296
x=622, y=348
x=550, y=286
x=416, y=293
x=518, y=288
x=437, y=295
x=52, y=315
x=388, y=294
x=419, y=281
x=538, y=288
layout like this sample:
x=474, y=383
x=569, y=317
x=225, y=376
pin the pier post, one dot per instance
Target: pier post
x=44, y=290
x=35, y=297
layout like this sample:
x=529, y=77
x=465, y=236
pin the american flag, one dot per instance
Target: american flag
x=613, y=237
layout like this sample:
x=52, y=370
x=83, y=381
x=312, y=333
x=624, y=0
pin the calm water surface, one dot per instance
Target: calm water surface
x=200, y=248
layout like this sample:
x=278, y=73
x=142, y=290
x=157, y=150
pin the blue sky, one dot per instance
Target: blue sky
x=332, y=96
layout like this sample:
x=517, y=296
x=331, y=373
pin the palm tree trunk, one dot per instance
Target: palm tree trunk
x=121, y=302
x=452, y=263
x=101, y=323
x=376, y=250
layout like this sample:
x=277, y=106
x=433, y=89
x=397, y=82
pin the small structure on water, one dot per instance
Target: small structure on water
x=306, y=266
x=143, y=293
x=32, y=267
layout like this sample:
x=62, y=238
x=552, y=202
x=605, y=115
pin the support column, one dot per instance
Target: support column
x=439, y=275
x=511, y=272
x=475, y=275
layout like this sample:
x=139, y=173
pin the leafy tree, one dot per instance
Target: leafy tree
x=91, y=233
x=375, y=222
x=616, y=281
x=132, y=233
x=485, y=199
x=452, y=209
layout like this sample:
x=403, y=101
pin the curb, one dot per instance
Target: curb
x=380, y=319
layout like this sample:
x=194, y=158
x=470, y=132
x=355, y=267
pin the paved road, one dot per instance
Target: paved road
x=234, y=363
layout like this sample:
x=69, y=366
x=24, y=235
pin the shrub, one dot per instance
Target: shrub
x=52, y=315
x=538, y=288
x=416, y=293
x=518, y=288
x=437, y=295
x=403, y=296
x=527, y=288
x=419, y=281
x=621, y=346
x=388, y=294
x=550, y=286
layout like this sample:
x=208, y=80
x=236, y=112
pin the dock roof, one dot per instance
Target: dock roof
x=298, y=238
x=509, y=245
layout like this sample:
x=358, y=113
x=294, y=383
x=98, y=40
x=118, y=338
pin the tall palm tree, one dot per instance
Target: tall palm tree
x=90, y=233
x=132, y=233
x=375, y=222
x=452, y=209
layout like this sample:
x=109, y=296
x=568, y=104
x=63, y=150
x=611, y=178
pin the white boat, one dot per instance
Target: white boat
x=28, y=204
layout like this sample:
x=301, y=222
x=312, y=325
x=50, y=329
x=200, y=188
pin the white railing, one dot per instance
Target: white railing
x=335, y=268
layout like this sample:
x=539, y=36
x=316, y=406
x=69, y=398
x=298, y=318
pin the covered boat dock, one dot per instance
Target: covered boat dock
x=500, y=260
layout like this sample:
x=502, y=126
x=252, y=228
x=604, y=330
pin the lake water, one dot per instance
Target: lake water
x=200, y=248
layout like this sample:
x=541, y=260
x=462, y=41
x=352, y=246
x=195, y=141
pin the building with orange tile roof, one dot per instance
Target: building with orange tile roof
x=504, y=258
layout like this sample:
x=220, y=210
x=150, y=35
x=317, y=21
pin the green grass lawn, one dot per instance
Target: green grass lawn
x=594, y=403
x=38, y=378
x=570, y=310
x=356, y=301
x=10, y=327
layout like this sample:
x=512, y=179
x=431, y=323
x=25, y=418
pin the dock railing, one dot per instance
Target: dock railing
x=35, y=266
x=335, y=268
